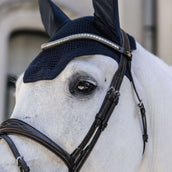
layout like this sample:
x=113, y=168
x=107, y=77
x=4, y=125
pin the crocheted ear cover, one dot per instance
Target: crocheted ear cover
x=49, y=63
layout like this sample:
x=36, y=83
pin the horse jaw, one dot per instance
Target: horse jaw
x=49, y=107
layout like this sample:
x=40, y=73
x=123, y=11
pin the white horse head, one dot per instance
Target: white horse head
x=64, y=108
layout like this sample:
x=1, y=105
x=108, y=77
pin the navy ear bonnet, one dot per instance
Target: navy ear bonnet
x=50, y=63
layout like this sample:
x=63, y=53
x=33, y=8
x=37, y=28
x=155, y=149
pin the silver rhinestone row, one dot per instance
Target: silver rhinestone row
x=80, y=36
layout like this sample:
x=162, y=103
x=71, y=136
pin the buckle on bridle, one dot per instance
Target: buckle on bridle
x=113, y=95
x=142, y=108
x=22, y=164
x=144, y=123
x=112, y=89
x=19, y=158
x=129, y=54
x=112, y=98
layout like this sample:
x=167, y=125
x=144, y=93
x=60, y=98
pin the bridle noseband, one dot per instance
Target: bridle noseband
x=79, y=156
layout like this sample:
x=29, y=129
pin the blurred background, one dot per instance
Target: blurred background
x=22, y=33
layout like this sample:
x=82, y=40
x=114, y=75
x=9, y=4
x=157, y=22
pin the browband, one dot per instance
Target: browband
x=97, y=38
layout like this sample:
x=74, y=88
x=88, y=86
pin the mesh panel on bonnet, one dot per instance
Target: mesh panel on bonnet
x=49, y=63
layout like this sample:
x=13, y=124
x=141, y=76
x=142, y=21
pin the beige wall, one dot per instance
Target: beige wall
x=164, y=21
x=131, y=22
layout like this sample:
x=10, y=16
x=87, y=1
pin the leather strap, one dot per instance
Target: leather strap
x=21, y=162
x=15, y=126
x=101, y=120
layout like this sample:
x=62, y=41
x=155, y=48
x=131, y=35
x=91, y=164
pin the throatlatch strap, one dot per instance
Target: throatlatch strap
x=142, y=112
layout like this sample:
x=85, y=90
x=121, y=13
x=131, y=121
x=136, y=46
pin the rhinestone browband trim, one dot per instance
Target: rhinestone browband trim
x=86, y=36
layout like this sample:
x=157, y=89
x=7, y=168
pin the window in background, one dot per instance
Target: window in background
x=24, y=46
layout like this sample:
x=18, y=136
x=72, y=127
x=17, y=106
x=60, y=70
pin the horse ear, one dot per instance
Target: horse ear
x=107, y=12
x=52, y=17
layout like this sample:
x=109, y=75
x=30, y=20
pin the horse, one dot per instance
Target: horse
x=63, y=108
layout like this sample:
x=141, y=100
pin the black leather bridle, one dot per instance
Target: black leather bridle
x=75, y=161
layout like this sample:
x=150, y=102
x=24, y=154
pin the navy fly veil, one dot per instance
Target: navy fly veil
x=105, y=23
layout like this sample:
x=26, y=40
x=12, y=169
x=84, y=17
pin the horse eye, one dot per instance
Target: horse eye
x=82, y=86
